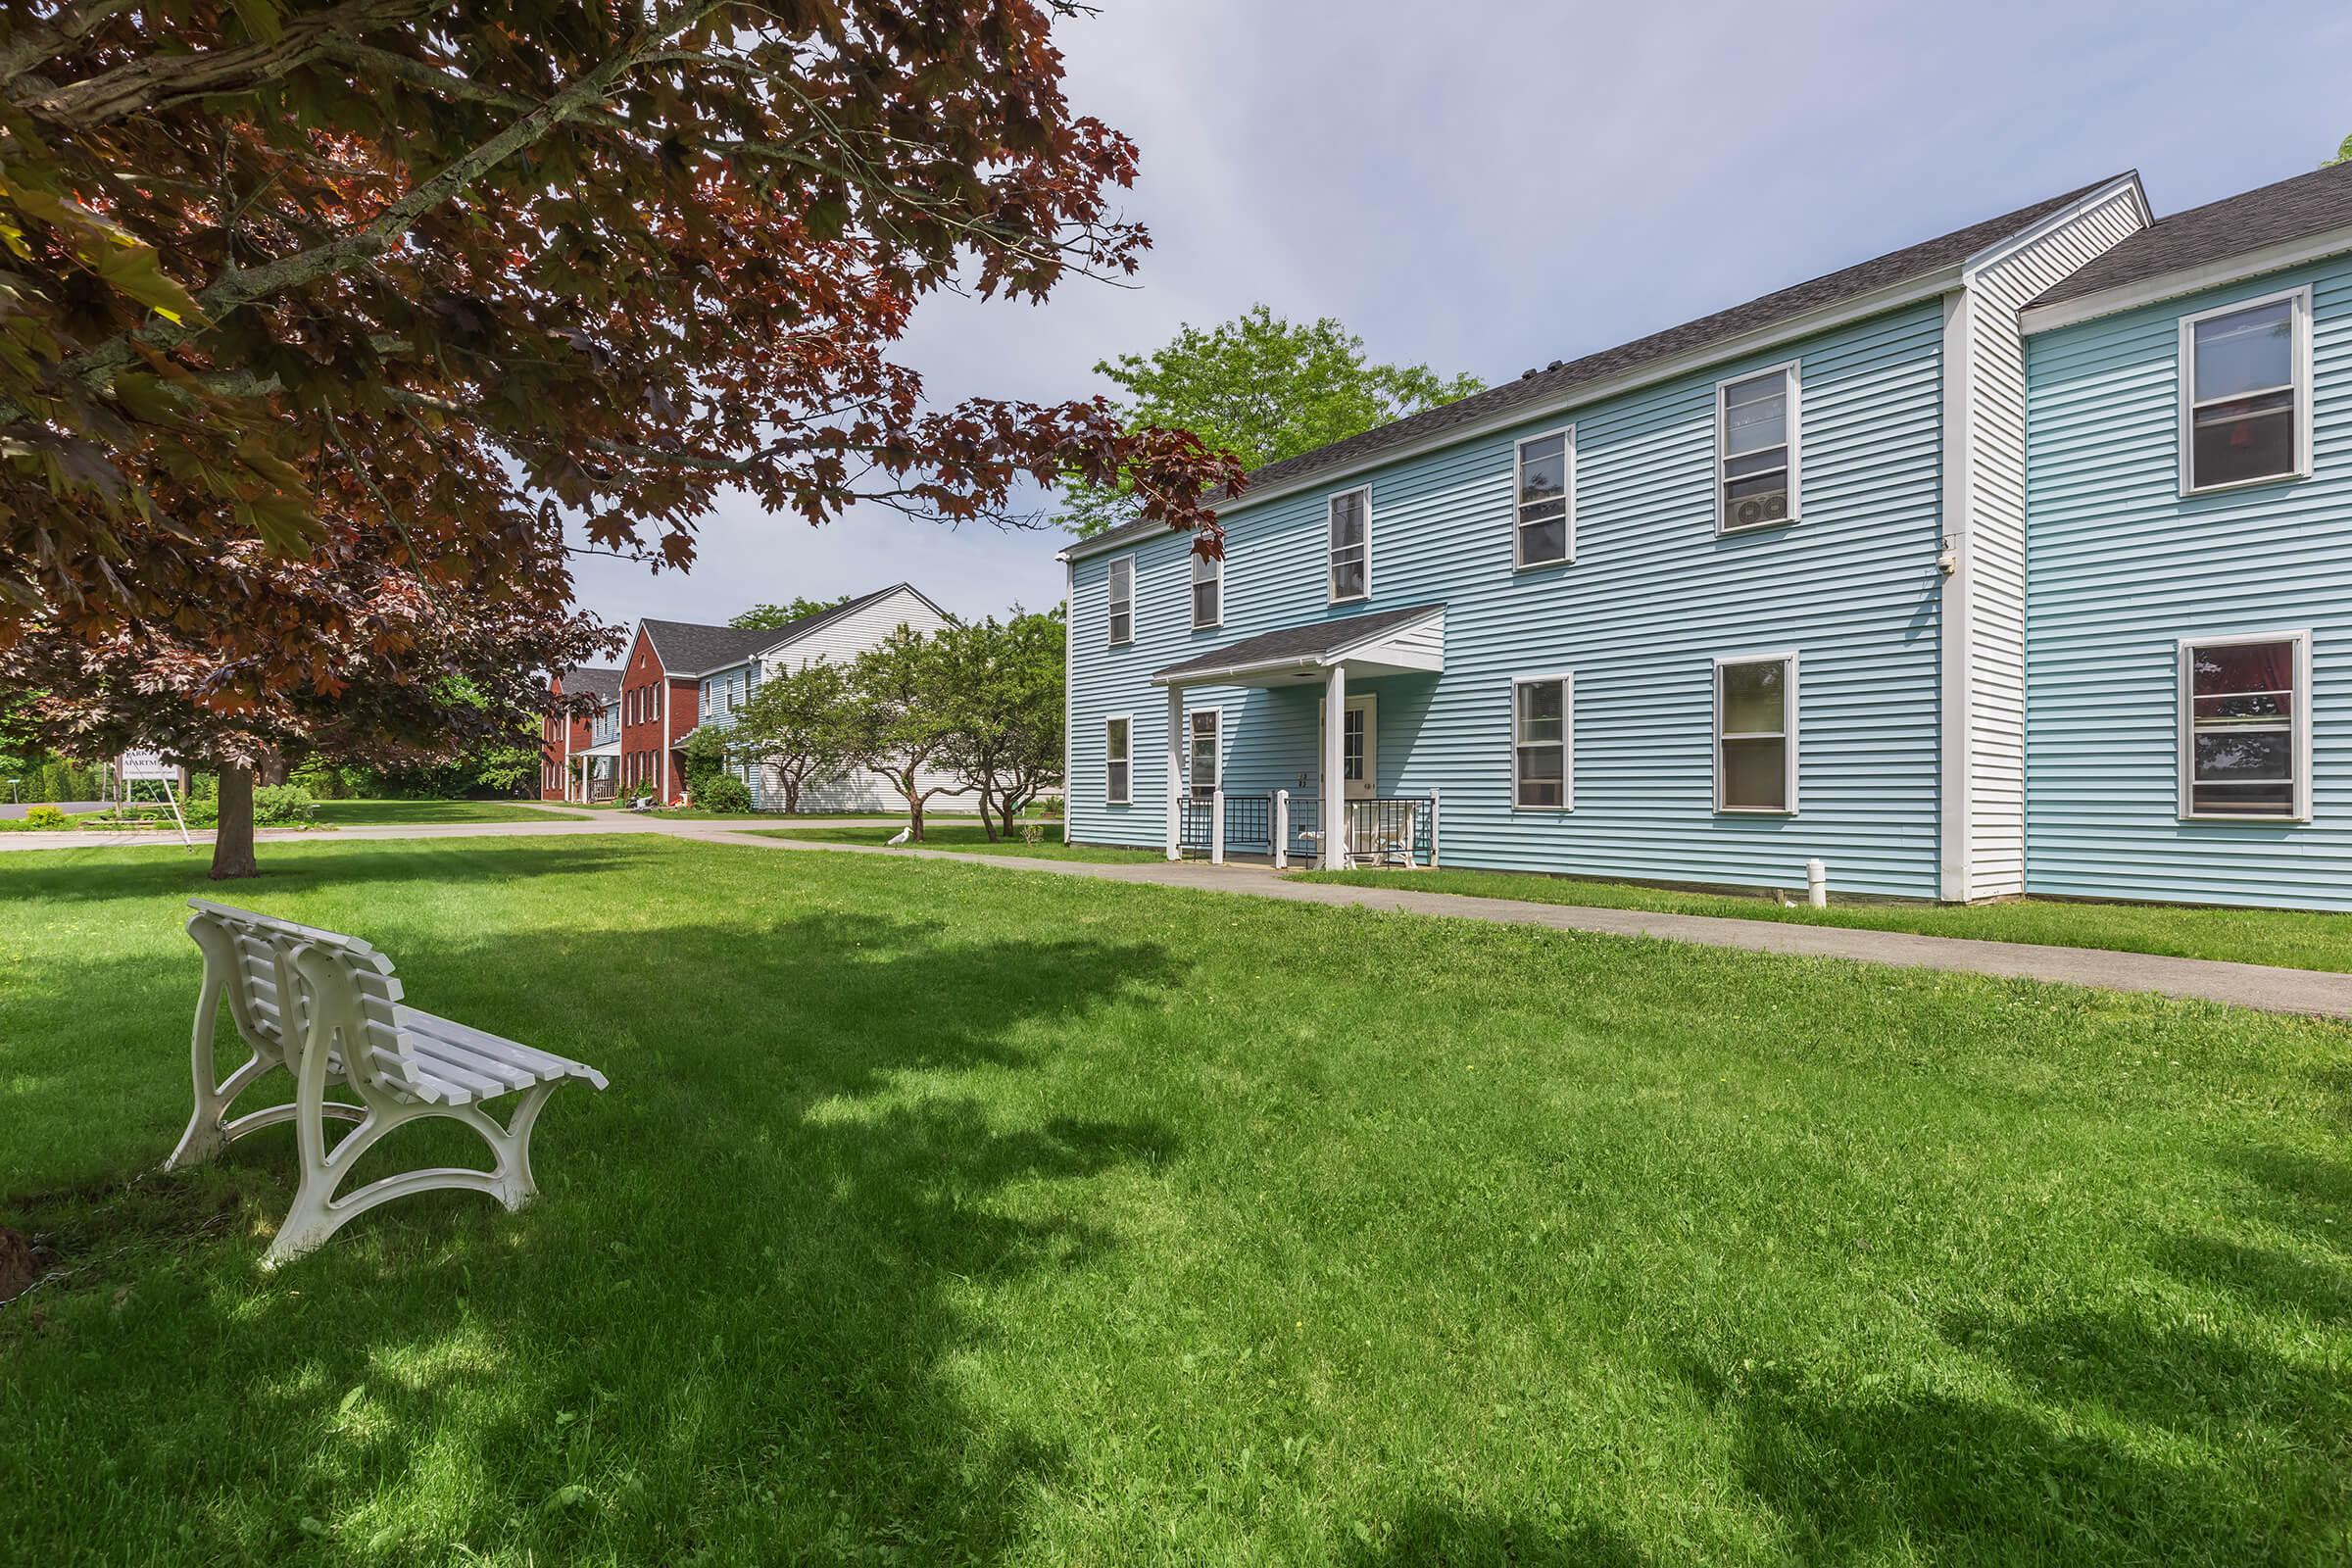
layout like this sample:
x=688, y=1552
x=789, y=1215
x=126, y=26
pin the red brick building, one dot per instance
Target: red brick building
x=572, y=765
x=661, y=691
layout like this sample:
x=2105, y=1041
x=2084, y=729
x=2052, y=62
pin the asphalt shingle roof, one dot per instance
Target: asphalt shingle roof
x=689, y=647
x=1298, y=644
x=1555, y=381
x=2290, y=210
x=590, y=680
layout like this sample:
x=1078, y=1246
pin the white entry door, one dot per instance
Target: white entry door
x=1359, y=744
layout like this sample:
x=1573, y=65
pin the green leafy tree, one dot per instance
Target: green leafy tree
x=706, y=761
x=901, y=718
x=1002, y=687
x=2343, y=155
x=798, y=724
x=1262, y=388
x=767, y=618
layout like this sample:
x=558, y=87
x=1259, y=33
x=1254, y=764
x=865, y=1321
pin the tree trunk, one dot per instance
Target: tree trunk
x=988, y=810
x=791, y=793
x=914, y=810
x=1013, y=805
x=232, y=838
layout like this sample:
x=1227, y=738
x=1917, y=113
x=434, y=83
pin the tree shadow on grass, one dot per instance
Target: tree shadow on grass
x=158, y=871
x=739, y=1322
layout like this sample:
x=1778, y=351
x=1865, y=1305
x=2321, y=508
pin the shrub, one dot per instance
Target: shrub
x=283, y=805
x=46, y=816
x=723, y=792
x=202, y=810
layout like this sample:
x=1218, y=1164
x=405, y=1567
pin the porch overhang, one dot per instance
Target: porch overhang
x=1387, y=642
x=610, y=748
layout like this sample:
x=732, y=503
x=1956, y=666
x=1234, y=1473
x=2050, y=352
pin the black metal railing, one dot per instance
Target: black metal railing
x=1394, y=830
x=1193, y=818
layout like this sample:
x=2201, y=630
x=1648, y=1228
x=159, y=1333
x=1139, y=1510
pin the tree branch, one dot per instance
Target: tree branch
x=39, y=41
x=155, y=79
x=240, y=286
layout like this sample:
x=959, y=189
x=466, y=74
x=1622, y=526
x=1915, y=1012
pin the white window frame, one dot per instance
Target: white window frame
x=1216, y=579
x=1331, y=574
x=1126, y=797
x=1194, y=789
x=1788, y=716
x=1567, y=439
x=1793, y=371
x=706, y=714
x=1123, y=567
x=2299, y=364
x=2185, y=746
x=1565, y=680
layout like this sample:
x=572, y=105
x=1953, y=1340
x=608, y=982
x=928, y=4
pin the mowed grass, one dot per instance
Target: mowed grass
x=2297, y=938
x=970, y=838
x=354, y=813
x=943, y=1214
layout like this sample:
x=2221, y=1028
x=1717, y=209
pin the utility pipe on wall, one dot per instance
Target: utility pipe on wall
x=1817, y=884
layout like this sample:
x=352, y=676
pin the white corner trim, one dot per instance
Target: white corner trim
x=1956, y=615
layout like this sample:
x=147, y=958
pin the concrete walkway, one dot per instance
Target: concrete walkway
x=2245, y=985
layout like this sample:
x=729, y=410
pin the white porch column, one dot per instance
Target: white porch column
x=1335, y=770
x=1282, y=830
x=1175, y=773
x=663, y=742
x=1216, y=827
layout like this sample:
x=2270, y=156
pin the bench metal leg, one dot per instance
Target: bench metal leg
x=317, y=1214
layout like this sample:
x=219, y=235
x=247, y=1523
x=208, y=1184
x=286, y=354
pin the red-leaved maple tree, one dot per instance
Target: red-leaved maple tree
x=317, y=320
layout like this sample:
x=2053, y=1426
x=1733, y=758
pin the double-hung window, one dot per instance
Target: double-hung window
x=1351, y=552
x=1543, y=499
x=1543, y=774
x=1757, y=451
x=2245, y=393
x=1206, y=727
x=1755, y=733
x=1117, y=780
x=1208, y=591
x=1122, y=601
x=2245, y=727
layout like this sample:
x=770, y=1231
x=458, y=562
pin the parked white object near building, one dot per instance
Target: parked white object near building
x=326, y=1007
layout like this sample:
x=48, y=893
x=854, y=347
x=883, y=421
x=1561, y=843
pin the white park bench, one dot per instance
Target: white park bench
x=326, y=1007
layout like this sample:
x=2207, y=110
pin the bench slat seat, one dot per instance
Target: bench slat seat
x=328, y=1007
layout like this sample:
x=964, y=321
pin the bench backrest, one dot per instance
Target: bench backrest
x=276, y=972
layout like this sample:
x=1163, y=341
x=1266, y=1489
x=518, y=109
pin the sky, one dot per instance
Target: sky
x=1486, y=187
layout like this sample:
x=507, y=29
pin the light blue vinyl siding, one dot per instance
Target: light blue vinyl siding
x=2120, y=567
x=1654, y=597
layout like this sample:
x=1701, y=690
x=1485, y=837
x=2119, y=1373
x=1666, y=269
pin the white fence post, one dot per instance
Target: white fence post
x=1216, y=826
x=1433, y=827
x=1282, y=830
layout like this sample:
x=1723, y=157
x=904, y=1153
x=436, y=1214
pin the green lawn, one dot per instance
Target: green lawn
x=353, y=813
x=2296, y=938
x=968, y=838
x=940, y=1215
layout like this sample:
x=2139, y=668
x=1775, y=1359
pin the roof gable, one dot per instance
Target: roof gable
x=782, y=637
x=2301, y=207
x=689, y=647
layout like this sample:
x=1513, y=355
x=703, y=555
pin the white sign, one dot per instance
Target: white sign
x=145, y=765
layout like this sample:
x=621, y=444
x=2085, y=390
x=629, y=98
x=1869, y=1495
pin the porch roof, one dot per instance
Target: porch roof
x=610, y=748
x=1384, y=642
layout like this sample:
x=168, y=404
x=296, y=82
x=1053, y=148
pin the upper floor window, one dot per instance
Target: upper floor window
x=2245, y=727
x=1539, y=765
x=1117, y=769
x=2245, y=393
x=1757, y=451
x=1543, y=493
x=1208, y=591
x=1122, y=599
x=1755, y=733
x=1351, y=545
